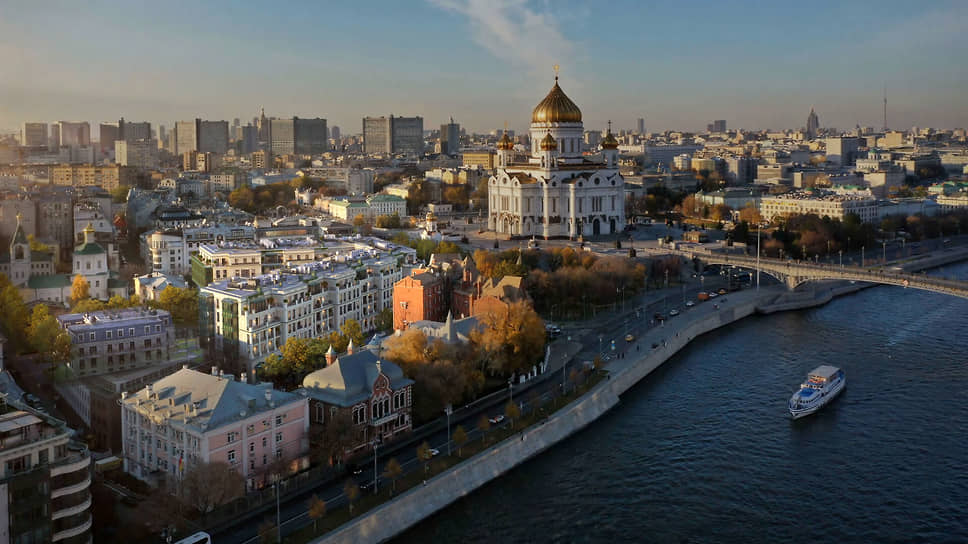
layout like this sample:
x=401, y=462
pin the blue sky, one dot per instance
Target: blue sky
x=678, y=65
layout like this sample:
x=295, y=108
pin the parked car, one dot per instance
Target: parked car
x=722, y=291
x=690, y=304
x=673, y=313
x=629, y=338
x=434, y=452
x=713, y=295
x=496, y=419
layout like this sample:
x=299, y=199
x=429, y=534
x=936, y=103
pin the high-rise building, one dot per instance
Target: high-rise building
x=263, y=125
x=842, y=151
x=136, y=153
x=213, y=136
x=33, y=135
x=282, y=136
x=450, y=138
x=131, y=132
x=108, y=133
x=385, y=135
x=247, y=139
x=334, y=133
x=312, y=137
x=640, y=125
x=813, y=125
x=185, y=137
x=718, y=125
x=74, y=134
x=53, y=138
x=45, y=478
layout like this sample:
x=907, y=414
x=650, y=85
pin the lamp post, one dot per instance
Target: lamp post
x=376, y=478
x=840, y=255
x=511, y=389
x=600, y=344
x=758, y=229
x=862, y=258
x=884, y=252
x=448, y=410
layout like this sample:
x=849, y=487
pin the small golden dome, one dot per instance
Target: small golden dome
x=556, y=108
x=609, y=142
x=505, y=142
x=548, y=143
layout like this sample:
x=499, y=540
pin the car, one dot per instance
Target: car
x=629, y=338
x=673, y=313
x=355, y=469
x=722, y=291
x=712, y=295
x=432, y=452
x=496, y=419
x=690, y=304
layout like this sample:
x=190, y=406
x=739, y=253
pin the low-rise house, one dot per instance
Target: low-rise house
x=192, y=417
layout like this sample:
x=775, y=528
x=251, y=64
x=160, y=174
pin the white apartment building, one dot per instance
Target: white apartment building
x=251, y=318
x=835, y=206
x=136, y=153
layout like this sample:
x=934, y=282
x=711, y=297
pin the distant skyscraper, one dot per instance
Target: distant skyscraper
x=184, y=137
x=53, y=138
x=641, y=125
x=74, y=134
x=108, y=133
x=236, y=122
x=248, y=139
x=718, y=125
x=33, y=135
x=813, y=125
x=382, y=135
x=295, y=135
x=263, y=126
x=334, y=133
x=137, y=153
x=132, y=132
x=213, y=136
x=450, y=138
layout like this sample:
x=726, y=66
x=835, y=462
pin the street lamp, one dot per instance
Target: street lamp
x=376, y=478
x=448, y=410
x=884, y=247
x=600, y=344
x=511, y=389
x=862, y=259
x=758, y=229
x=840, y=254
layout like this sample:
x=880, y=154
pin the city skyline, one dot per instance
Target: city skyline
x=484, y=63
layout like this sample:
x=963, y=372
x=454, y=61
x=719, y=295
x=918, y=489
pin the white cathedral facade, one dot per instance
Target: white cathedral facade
x=558, y=192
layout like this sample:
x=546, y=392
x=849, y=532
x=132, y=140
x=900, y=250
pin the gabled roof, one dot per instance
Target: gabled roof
x=350, y=379
x=89, y=248
x=49, y=282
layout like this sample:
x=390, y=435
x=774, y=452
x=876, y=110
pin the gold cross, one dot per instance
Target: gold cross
x=556, y=71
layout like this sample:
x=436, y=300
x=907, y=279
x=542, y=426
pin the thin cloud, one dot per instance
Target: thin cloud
x=514, y=32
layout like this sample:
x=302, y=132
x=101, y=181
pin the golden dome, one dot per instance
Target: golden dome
x=556, y=108
x=609, y=142
x=548, y=143
x=505, y=142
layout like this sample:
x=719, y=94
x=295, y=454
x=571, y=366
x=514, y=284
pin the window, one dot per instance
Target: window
x=120, y=333
x=279, y=420
x=107, y=334
x=157, y=328
x=91, y=336
x=264, y=442
x=131, y=331
x=265, y=460
x=251, y=447
x=278, y=453
x=148, y=329
x=278, y=437
x=232, y=456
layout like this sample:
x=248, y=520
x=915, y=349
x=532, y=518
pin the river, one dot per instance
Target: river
x=704, y=450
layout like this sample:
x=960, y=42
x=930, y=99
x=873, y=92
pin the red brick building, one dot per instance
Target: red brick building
x=419, y=297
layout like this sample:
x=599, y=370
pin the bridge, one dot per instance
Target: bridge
x=795, y=273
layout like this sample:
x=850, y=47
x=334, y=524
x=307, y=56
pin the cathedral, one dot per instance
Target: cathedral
x=558, y=192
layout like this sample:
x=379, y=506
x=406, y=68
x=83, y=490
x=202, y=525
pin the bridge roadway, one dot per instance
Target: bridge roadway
x=795, y=273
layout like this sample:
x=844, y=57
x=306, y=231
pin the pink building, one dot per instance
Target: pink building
x=192, y=417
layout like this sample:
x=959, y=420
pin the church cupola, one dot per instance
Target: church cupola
x=610, y=148
x=549, y=151
x=505, y=149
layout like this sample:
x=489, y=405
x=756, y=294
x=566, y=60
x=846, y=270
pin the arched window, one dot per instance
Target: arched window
x=19, y=252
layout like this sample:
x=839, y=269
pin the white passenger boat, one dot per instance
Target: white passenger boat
x=822, y=385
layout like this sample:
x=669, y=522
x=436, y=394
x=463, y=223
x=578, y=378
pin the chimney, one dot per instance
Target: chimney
x=269, y=396
x=330, y=355
x=350, y=347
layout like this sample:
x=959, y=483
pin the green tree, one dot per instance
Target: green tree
x=512, y=412
x=298, y=357
x=460, y=438
x=352, y=492
x=88, y=305
x=14, y=314
x=242, y=198
x=120, y=193
x=384, y=319
x=393, y=471
x=316, y=509
x=42, y=329
x=181, y=303
x=80, y=289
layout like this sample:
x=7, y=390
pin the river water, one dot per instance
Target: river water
x=704, y=450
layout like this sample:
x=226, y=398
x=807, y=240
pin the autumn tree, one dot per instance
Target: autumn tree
x=423, y=454
x=512, y=412
x=751, y=214
x=393, y=471
x=181, y=303
x=80, y=289
x=384, y=320
x=297, y=358
x=510, y=340
x=484, y=425
x=14, y=314
x=352, y=492
x=242, y=198
x=359, y=220
x=45, y=336
x=460, y=438
x=316, y=509
x=206, y=486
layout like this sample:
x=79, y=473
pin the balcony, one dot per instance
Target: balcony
x=60, y=492
x=71, y=464
x=73, y=531
x=71, y=510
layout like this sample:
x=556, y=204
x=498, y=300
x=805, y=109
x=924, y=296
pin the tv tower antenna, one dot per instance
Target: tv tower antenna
x=885, y=107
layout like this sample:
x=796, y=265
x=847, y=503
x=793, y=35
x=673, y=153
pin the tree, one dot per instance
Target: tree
x=42, y=331
x=37, y=245
x=352, y=492
x=181, y=303
x=267, y=532
x=316, y=509
x=351, y=330
x=512, y=412
x=393, y=471
x=751, y=214
x=423, y=454
x=484, y=425
x=15, y=314
x=298, y=357
x=512, y=339
x=80, y=289
x=460, y=438
x=384, y=319
x=359, y=220
x=89, y=305
x=337, y=435
x=120, y=193
x=242, y=198
x=206, y=486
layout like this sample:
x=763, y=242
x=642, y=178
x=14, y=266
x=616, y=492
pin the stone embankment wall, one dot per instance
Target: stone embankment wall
x=396, y=516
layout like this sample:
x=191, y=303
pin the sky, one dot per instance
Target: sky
x=756, y=64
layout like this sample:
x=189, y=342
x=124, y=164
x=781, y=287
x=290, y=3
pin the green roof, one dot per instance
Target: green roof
x=49, y=282
x=114, y=283
x=89, y=248
x=385, y=198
